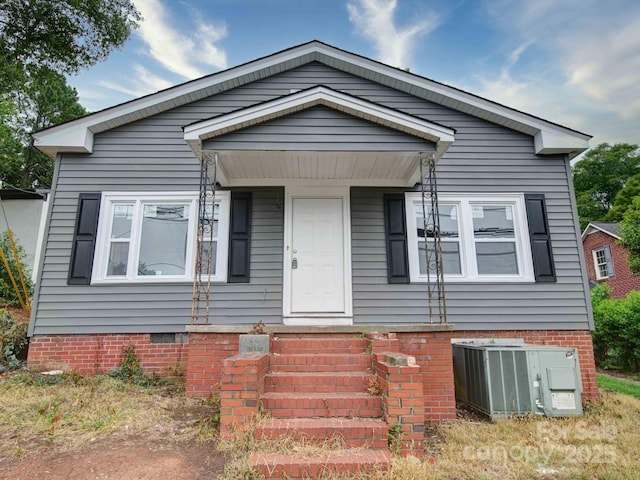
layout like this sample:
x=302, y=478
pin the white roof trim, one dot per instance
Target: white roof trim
x=195, y=133
x=77, y=135
x=588, y=230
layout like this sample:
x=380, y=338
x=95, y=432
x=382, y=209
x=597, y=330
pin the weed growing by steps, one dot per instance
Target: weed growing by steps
x=130, y=370
x=395, y=438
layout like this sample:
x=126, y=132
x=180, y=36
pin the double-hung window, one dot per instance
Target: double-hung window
x=484, y=238
x=151, y=237
x=603, y=262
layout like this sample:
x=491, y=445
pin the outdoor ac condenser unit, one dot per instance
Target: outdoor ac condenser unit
x=505, y=380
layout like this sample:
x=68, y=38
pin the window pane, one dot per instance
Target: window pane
x=492, y=221
x=448, y=216
x=122, y=217
x=118, y=255
x=163, y=245
x=450, y=258
x=206, y=247
x=496, y=258
x=207, y=232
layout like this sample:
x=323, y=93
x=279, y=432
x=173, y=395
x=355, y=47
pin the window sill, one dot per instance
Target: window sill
x=479, y=280
x=163, y=281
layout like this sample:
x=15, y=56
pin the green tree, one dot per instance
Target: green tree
x=600, y=175
x=64, y=35
x=39, y=41
x=630, y=234
x=43, y=100
x=624, y=199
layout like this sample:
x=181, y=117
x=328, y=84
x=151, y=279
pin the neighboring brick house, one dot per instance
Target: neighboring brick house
x=606, y=259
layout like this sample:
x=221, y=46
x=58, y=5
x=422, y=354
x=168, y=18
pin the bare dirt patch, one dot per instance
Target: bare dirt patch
x=134, y=459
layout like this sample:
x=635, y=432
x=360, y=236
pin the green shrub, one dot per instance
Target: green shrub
x=7, y=292
x=13, y=338
x=616, y=339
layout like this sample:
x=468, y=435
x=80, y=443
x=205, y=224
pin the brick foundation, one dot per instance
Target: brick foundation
x=93, y=354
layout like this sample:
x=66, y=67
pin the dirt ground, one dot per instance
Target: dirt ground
x=119, y=459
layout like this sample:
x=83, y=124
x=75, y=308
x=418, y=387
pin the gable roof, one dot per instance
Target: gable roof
x=77, y=135
x=196, y=132
x=610, y=228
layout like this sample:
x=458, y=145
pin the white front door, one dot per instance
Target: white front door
x=317, y=256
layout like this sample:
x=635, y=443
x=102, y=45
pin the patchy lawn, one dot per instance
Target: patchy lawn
x=629, y=387
x=99, y=427
x=74, y=428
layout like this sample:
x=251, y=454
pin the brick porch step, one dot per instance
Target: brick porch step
x=317, y=381
x=324, y=345
x=339, y=362
x=356, y=432
x=346, y=404
x=281, y=466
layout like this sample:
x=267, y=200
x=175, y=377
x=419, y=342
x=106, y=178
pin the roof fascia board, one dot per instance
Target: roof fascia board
x=77, y=135
x=320, y=95
x=550, y=138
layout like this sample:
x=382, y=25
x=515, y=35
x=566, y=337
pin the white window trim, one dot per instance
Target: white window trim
x=466, y=239
x=596, y=265
x=99, y=273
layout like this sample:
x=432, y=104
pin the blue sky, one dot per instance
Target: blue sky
x=574, y=62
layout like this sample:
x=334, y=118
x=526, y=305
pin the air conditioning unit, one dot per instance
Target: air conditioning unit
x=507, y=380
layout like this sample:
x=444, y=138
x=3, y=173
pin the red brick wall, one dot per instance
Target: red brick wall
x=206, y=354
x=433, y=353
x=623, y=281
x=92, y=354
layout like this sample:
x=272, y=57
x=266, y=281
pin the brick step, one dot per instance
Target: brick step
x=317, y=382
x=281, y=466
x=339, y=362
x=356, y=432
x=348, y=404
x=320, y=345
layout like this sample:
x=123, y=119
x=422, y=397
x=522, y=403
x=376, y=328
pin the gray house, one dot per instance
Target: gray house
x=310, y=160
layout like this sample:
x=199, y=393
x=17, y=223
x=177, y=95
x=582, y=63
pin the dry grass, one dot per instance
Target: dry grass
x=35, y=411
x=603, y=444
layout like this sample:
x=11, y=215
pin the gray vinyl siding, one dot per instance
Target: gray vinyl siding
x=159, y=308
x=151, y=155
x=319, y=129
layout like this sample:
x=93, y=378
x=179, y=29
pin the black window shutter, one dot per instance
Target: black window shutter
x=396, y=236
x=84, y=239
x=240, y=238
x=540, y=237
x=609, y=259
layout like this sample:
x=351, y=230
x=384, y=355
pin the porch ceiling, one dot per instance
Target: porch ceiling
x=251, y=168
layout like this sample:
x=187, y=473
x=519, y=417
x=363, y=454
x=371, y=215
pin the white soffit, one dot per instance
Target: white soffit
x=77, y=135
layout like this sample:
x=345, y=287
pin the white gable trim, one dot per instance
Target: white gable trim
x=591, y=228
x=77, y=135
x=194, y=134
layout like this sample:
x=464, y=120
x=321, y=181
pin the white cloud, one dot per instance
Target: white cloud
x=183, y=53
x=374, y=20
x=142, y=83
x=586, y=68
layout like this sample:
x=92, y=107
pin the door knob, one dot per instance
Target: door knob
x=294, y=263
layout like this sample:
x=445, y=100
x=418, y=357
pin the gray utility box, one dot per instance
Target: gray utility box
x=506, y=380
